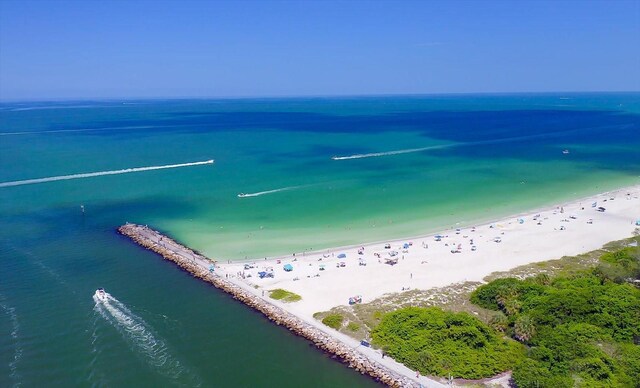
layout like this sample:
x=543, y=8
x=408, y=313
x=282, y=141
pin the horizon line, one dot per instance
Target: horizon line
x=303, y=96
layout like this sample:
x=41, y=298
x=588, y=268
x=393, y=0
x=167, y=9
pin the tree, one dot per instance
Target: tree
x=524, y=328
x=499, y=322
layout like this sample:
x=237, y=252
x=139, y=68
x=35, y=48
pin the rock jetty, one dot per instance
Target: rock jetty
x=201, y=267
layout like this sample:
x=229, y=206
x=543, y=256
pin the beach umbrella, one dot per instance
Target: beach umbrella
x=342, y=256
x=405, y=246
x=288, y=267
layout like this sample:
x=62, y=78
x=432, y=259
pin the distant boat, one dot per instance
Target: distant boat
x=242, y=195
x=335, y=158
x=565, y=152
x=101, y=295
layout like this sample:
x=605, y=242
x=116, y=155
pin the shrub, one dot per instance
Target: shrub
x=582, y=329
x=352, y=326
x=334, y=321
x=437, y=342
x=284, y=295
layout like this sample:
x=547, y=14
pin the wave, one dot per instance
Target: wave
x=143, y=340
x=100, y=173
x=17, y=344
x=243, y=195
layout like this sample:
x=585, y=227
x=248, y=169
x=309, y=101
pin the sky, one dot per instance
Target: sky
x=53, y=49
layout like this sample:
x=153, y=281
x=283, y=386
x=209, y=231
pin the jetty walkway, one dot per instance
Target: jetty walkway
x=201, y=267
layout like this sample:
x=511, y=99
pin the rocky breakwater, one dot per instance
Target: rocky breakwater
x=199, y=266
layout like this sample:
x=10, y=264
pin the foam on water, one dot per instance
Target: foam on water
x=444, y=146
x=268, y=192
x=388, y=153
x=76, y=130
x=142, y=339
x=15, y=339
x=100, y=173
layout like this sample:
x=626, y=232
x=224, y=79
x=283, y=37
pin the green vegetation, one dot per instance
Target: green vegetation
x=577, y=319
x=284, y=295
x=352, y=326
x=334, y=321
x=581, y=330
x=438, y=342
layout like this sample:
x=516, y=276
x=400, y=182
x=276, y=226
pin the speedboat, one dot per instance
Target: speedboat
x=101, y=295
x=242, y=195
x=565, y=152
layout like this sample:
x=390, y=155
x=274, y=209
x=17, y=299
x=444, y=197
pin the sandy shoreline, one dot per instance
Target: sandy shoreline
x=558, y=231
x=435, y=231
x=541, y=235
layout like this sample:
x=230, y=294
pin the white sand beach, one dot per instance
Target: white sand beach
x=427, y=262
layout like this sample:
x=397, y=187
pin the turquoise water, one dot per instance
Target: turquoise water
x=490, y=156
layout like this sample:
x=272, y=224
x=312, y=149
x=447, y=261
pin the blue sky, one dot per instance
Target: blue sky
x=138, y=49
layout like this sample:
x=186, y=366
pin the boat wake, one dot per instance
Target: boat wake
x=15, y=338
x=453, y=145
x=243, y=195
x=388, y=153
x=100, y=173
x=142, y=339
x=76, y=130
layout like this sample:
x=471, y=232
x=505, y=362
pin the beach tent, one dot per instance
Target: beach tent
x=521, y=220
x=638, y=223
x=288, y=267
x=342, y=256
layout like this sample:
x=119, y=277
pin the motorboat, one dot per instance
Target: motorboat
x=242, y=195
x=565, y=152
x=101, y=295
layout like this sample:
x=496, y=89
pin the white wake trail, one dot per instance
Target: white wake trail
x=140, y=335
x=100, y=173
x=398, y=152
x=75, y=130
x=473, y=143
x=17, y=343
x=268, y=192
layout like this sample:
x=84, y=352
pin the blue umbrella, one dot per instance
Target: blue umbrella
x=342, y=256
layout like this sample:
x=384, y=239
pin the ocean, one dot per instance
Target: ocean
x=314, y=173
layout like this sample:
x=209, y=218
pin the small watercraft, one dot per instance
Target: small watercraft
x=565, y=152
x=101, y=295
x=242, y=195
